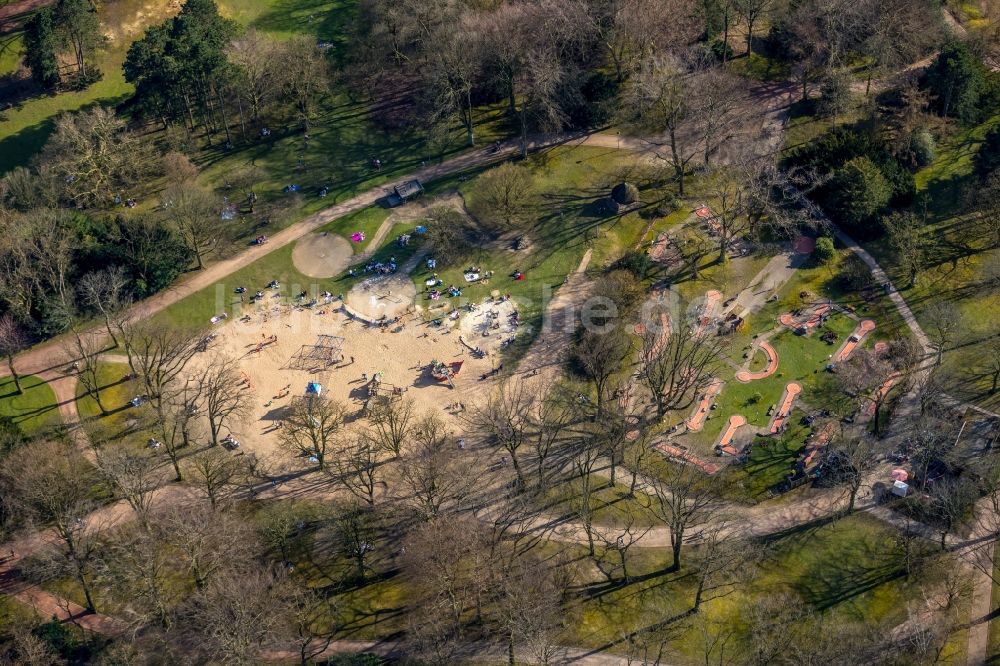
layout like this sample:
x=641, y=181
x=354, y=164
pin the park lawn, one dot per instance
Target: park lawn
x=759, y=67
x=842, y=568
x=10, y=52
x=367, y=221
x=805, y=126
x=34, y=411
x=24, y=129
x=610, y=505
x=195, y=310
x=770, y=461
x=940, y=184
x=729, y=277
x=845, y=569
x=115, y=395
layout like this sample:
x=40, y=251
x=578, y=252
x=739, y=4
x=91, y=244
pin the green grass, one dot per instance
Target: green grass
x=941, y=183
x=845, y=569
x=610, y=505
x=34, y=411
x=115, y=395
x=760, y=67
x=367, y=221
x=194, y=311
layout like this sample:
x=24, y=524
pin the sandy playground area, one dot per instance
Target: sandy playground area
x=271, y=336
x=322, y=255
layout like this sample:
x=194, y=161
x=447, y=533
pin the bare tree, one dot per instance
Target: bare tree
x=175, y=420
x=193, y=212
x=223, y=394
x=630, y=30
x=449, y=582
x=390, y=424
x=304, y=75
x=752, y=13
x=253, y=54
x=217, y=473
x=528, y=610
x=943, y=322
x=86, y=348
x=357, y=468
x=616, y=542
x=206, y=541
x=505, y=419
x=107, y=292
x=679, y=368
x=12, y=340
x=25, y=648
x=659, y=101
x=132, y=477
x=355, y=530
x=867, y=377
x=241, y=613
x=847, y=460
x=161, y=353
x=435, y=473
x=726, y=564
x=553, y=415
x=683, y=499
x=49, y=483
x=503, y=196
x=313, y=427
x=137, y=568
x=600, y=354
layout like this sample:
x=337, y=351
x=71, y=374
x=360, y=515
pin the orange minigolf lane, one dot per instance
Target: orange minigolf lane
x=792, y=390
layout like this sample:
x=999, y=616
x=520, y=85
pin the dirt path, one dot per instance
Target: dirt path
x=546, y=354
x=478, y=652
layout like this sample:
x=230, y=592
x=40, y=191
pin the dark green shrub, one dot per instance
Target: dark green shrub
x=824, y=250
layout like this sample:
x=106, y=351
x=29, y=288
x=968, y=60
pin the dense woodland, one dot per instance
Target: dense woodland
x=208, y=573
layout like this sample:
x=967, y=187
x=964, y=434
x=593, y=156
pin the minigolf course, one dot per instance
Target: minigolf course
x=745, y=375
x=806, y=321
x=792, y=391
x=855, y=339
x=697, y=420
x=736, y=421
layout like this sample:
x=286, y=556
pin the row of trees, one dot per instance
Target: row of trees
x=67, y=27
x=197, y=68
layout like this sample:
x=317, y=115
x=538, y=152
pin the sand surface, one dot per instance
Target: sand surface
x=322, y=255
x=402, y=352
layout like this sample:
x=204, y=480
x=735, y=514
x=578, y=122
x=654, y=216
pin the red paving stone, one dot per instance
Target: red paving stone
x=772, y=365
x=697, y=419
x=863, y=329
x=792, y=390
x=736, y=421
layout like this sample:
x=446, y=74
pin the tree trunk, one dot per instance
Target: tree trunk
x=17, y=377
x=725, y=37
x=676, y=541
x=996, y=378
x=222, y=113
x=517, y=469
x=97, y=399
x=510, y=648
x=678, y=165
x=524, y=130
x=468, y=118
x=243, y=120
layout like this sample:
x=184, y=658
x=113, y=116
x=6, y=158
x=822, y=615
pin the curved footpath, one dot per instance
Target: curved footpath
x=47, y=360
